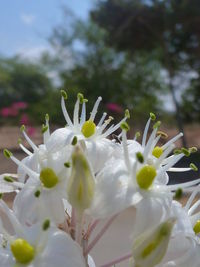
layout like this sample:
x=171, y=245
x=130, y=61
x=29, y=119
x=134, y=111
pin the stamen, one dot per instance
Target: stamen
x=178, y=194
x=193, y=208
x=46, y=225
x=76, y=112
x=34, y=147
x=192, y=197
x=102, y=119
x=164, y=155
x=83, y=114
x=27, y=169
x=173, y=140
x=125, y=149
x=193, y=167
x=117, y=126
x=144, y=138
x=137, y=135
x=65, y=113
x=25, y=149
x=149, y=144
x=183, y=185
x=94, y=110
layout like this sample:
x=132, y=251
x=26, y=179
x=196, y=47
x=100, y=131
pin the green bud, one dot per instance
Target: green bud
x=178, y=194
x=81, y=185
x=140, y=157
x=7, y=153
x=8, y=179
x=46, y=225
x=193, y=167
x=124, y=126
x=157, y=125
x=152, y=116
x=37, y=193
x=63, y=94
x=185, y=151
x=127, y=114
x=67, y=164
x=44, y=128
x=23, y=128
x=74, y=141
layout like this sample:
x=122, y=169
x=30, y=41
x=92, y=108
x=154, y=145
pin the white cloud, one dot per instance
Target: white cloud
x=28, y=19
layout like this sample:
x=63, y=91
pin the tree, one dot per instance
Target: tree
x=170, y=27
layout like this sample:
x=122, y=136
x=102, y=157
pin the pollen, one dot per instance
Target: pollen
x=157, y=151
x=145, y=176
x=88, y=128
x=22, y=251
x=196, y=227
x=48, y=178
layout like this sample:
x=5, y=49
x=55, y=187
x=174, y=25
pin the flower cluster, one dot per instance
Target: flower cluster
x=82, y=175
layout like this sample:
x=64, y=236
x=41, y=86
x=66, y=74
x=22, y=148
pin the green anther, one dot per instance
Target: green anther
x=193, y=149
x=63, y=94
x=37, y=193
x=22, y=251
x=88, y=128
x=80, y=97
x=46, y=225
x=196, y=227
x=145, y=176
x=48, y=178
x=74, y=141
x=19, y=141
x=157, y=151
x=44, y=128
x=185, y=151
x=177, y=151
x=8, y=179
x=1, y=195
x=157, y=125
x=193, y=167
x=7, y=153
x=47, y=117
x=67, y=164
x=140, y=157
x=127, y=114
x=22, y=128
x=178, y=194
x=124, y=126
x=152, y=116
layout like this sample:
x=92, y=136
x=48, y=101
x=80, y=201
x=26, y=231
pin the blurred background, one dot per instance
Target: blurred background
x=138, y=54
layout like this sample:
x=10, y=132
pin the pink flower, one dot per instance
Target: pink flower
x=24, y=119
x=114, y=107
x=13, y=112
x=20, y=105
x=5, y=112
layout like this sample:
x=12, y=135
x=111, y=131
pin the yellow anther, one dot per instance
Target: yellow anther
x=22, y=251
x=48, y=178
x=145, y=176
x=88, y=128
x=157, y=151
x=196, y=227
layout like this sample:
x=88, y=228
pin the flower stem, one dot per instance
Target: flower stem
x=123, y=258
x=100, y=234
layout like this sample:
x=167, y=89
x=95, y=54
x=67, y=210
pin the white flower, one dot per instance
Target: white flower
x=41, y=196
x=37, y=246
x=98, y=148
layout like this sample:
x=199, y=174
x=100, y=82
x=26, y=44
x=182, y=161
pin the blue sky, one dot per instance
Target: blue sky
x=25, y=24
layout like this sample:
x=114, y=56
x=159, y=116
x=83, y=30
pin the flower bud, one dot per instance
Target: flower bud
x=81, y=183
x=151, y=246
